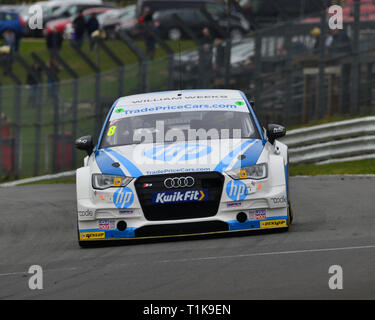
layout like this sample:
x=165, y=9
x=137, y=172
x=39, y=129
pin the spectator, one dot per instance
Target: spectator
x=338, y=42
x=206, y=57
x=146, y=22
x=32, y=81
x=52, y=80
x=146, y=18
x=7, y=58
x=92, y=26
x=315, y=33
x=79, y=26
x=54, y=42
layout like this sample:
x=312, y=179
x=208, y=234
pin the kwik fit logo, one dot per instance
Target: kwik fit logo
x=180, y=196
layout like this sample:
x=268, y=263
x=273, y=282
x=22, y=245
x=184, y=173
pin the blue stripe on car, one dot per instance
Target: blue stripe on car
x=229, y=158
x=104, y=163
x=128, y=165
x=252, y=155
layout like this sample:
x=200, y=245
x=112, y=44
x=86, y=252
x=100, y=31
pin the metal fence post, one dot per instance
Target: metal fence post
x=180, y=23
x=258, y=71
x=31, y=71
x=74, y=75
x=356, y=64
x=288, y=72
x=117, y=61
x=98, y=110
x=1, y=131
x=53, y=90
x=321, y=89
x=142, y=58
x=17, y=125
x=169, y=52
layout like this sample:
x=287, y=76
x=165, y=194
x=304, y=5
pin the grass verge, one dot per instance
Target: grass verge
x=350, y=167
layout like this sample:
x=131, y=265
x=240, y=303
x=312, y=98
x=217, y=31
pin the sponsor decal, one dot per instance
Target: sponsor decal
x=234, y=205
x=132, y=110
x=178, y=152
x=86, y=213
x=126, y=212
x=180, y=196
x=236, y=190
x=123, y=198
x=258, y=214
x=147, y=185
x=278, y=200
x=106, y=224
x=92, y=235
x=273, y=224
x=179, y=182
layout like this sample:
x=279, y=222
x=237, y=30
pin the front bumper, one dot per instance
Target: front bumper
x=264, y=206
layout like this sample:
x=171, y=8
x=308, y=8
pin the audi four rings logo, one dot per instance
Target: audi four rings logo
x=179, y=182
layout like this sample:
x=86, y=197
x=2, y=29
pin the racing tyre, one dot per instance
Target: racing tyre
x=290, y=213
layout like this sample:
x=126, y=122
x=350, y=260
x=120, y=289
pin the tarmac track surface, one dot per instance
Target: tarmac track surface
x=334, y=225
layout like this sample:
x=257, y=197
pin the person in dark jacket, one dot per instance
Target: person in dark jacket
x=79, y=26
x=92, y=26
x=32, y=81
x=339, y=42
x=206, y=57
x=146, y=21
x=54, y=42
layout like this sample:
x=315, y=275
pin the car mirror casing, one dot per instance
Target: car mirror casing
x=85, y=143
x=275, y=131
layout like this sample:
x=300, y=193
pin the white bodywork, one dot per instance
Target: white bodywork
x=265, y=201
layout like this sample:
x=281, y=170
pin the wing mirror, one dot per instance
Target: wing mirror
x=275, y=131
x=85, y=143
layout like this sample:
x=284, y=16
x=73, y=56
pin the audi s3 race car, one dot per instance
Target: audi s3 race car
x=180, y=163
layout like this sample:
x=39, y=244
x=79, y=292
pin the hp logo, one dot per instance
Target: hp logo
x=123, y=198
x=179, y=182
x=236, y=190
x=178, y=152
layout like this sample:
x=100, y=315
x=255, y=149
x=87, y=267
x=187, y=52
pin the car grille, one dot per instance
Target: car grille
x=210, y=181
x=181, y=229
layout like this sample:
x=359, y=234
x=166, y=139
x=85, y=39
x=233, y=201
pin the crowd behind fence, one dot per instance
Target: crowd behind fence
x=288, y=70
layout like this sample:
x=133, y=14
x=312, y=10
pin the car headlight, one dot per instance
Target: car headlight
x=105, y=181
x=256, y=172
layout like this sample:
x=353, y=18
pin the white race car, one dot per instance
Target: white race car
x=178, y=163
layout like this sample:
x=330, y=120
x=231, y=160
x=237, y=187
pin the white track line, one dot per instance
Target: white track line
x=217, y=258
x=269, y=254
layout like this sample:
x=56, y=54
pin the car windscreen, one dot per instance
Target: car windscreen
x=179, y=126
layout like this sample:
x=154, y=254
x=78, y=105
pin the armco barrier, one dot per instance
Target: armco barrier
x=332, y=142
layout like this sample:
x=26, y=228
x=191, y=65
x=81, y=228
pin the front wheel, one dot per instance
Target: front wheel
x=290, y=213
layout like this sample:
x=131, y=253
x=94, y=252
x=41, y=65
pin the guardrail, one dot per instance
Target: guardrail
x=332, y=142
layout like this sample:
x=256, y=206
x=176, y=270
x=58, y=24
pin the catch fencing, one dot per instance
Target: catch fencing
x=290, y=74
